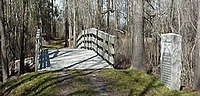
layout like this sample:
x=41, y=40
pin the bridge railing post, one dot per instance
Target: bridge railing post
x=88, y=37
x=84, y=39
x=97, y=43
x=37, y=49
x=108, y=47
x=89, y=41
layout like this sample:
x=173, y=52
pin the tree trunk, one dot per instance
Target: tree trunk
x=108, y=16
x=22, y=43
x=74, y=23
x=196, y=83
x=3, y=43
x=99, y=15
x=52, y=20
x=66, y=24
x=69, y=18
x=138, y=35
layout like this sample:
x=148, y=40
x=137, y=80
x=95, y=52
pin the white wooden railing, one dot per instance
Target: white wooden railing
x=37, y=49
x=100, y=42
x=41, y=56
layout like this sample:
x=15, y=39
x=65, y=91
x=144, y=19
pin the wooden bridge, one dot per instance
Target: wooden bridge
x=95, y=50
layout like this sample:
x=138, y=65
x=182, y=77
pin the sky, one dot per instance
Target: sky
x=59, y=3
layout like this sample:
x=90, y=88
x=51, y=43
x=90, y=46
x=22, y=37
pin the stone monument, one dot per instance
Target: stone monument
x=171, y=60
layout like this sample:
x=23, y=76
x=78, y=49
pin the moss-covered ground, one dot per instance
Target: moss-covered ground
x=87, y=83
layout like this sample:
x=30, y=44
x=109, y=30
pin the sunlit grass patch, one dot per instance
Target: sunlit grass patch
x=136, y=83
x=30, y=84
x=78, y=83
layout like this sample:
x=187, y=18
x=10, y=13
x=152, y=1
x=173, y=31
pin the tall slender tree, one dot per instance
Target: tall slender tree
x=4, y=60
x=74, y=22
x=66, y=23
x=138, y=34
x=98, y=13
x=108, y=15
x=52, y=18
x=196, y=84
x=22, y=39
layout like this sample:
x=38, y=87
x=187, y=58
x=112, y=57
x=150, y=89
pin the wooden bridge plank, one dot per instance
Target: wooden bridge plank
x=75, y=59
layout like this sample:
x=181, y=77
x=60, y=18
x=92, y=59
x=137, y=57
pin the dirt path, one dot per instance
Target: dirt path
x=98, y=84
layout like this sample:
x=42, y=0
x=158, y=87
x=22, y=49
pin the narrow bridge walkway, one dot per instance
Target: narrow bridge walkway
x=75, y=59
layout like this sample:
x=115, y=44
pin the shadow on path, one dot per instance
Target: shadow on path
x=56, y=52
x=79, y=62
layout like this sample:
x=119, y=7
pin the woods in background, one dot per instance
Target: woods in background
x=19, y=21
x=136, y=23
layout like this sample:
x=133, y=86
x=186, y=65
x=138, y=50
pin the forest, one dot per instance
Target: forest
x=137, y=24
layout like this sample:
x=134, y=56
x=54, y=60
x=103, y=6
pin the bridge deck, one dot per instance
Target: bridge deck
x=75, y=59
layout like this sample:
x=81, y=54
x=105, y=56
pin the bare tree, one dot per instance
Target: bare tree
x=3, y=42
x=196, y=83
x=74, y=21
x=108, y=16
x=138, y=35
x=98, y=13
x=52, y=19
x=22, y=38
x=66, y=23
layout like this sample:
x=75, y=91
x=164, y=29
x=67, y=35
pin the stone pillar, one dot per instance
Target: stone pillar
x=171, y=60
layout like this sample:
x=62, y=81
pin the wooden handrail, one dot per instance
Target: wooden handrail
x=37, y=49
x=100, y=42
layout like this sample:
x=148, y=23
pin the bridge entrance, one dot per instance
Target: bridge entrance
x=95, y=50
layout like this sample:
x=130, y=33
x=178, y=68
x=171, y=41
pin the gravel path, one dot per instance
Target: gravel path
x=75, y=59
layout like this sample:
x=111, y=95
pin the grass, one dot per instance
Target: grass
x=134, y=83
x=77, y=83
x=29, y=84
